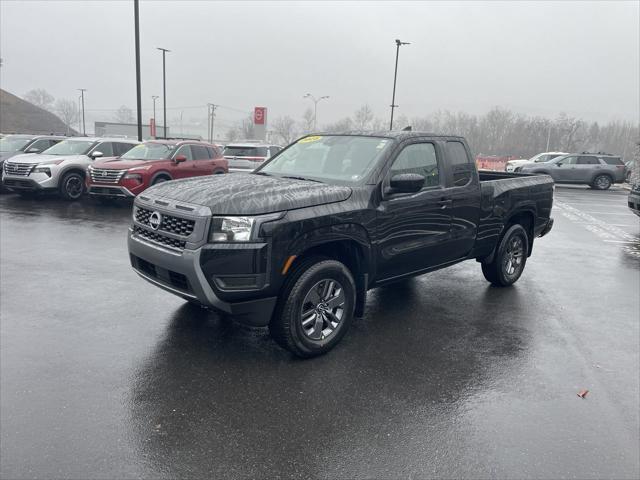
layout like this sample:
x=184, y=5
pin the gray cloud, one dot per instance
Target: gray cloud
x=535, y=58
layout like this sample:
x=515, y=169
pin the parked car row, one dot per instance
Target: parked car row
x=598, y=170
x=116, y=167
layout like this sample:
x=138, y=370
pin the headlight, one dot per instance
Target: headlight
x=133, y=176
x=231, y=229
x=41, y=169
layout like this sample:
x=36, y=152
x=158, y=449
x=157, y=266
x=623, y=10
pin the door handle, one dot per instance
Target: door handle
x=444, y=203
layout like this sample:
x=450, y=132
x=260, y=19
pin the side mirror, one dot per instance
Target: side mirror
x=180, y=158
x=96, y=154
x=32, y=150
x=406, y=183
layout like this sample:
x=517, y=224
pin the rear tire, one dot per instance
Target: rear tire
x=315, y=308
x=72, y=186
x=510, y=258
x=602, y=182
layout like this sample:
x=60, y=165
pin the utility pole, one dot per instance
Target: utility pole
x=136, y=22
x=82, y=90
x=395, y=76
x=315, y=107
x=164, y=91
x=211, y=116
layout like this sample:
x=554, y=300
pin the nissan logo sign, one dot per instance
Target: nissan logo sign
x=155, y=219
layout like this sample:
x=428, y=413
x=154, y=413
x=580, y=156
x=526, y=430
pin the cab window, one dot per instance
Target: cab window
x=460, y=163
x=588, y=160
x=418, y=158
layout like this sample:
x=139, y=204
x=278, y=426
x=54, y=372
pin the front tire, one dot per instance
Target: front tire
x=510, y=259
x=315, y=308
x=72, y=186
x=602, y=182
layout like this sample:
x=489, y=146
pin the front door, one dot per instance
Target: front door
x=184, y=169
x=565, y=169
x=412, y=230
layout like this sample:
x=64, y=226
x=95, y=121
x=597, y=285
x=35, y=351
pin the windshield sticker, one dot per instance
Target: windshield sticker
x=381, y=145
x=313, y=138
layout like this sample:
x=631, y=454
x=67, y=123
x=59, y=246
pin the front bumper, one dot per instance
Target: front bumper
x=231, y=278
x=109, y=191
x=32, y=182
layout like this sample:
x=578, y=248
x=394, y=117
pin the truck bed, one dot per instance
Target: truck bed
x=503, y=193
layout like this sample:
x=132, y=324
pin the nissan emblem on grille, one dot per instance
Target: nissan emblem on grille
x=155, y=220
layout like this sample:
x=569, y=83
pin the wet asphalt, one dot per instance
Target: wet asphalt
x=105, y=376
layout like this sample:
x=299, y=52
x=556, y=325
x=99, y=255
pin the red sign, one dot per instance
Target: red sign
x=259, y=115
x=152, y=127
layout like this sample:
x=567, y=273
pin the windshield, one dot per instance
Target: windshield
x=245, y=152
x=13, y=144
x=332, y=158
x=70, y=147
x=149, y=151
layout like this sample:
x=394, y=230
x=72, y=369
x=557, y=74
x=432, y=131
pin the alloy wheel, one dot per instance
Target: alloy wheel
x=514, y=256
x=322, y=309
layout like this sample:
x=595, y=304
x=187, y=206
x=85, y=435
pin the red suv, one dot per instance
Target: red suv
x=153, y=162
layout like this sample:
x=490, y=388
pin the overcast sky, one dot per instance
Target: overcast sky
x=536, y=58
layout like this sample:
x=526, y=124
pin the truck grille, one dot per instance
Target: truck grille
x=159, y=239
x=103, y=175
x=179, y=226
x=19, y=169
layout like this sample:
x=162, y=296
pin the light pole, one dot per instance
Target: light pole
x=154, y=98
x=82, y=90
x=315, y=107
x=395, y=76
x=138, y=85
x=164, y=91
x=211, y=116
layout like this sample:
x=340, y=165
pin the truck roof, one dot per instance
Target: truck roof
x=397, y=134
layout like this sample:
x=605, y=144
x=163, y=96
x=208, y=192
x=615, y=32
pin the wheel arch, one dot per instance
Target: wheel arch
x=353, y=250
x=160, y=174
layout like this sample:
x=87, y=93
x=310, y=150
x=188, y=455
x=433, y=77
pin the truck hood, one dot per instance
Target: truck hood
x=39, y=158
x=249, y=194
x=120, y=164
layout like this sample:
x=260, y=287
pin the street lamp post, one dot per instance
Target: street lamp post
x=395, y=76
x=82, y=90
x=164, y=91
x=154, y=98
x=315, y=107
x=136, y=22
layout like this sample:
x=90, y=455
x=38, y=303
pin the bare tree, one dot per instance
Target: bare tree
x=232, y=134
x=362, y=118
x=40, y=98
x=307, y=121
x=124, y=115
x=67, y=110
x=343, y=125
x=285, y=129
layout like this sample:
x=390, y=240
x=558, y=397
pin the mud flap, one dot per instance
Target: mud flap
x=361, y=295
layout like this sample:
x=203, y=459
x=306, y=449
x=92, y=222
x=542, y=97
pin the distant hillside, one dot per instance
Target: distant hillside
x=20, y=116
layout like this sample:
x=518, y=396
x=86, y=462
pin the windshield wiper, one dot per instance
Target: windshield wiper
x=292, y=177
x=262, y=173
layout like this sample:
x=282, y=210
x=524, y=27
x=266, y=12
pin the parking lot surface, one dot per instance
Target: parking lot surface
x=105, y=376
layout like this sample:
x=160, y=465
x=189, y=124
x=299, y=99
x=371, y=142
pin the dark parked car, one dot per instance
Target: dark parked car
x=634, y=198
x=598, y=170
x=297, y=244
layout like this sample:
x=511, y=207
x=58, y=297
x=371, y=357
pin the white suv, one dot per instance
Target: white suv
x=246, y=157
x=62, y=167
x=516, y=165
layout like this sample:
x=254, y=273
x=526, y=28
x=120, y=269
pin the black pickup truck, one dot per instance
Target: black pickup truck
x=296, y=244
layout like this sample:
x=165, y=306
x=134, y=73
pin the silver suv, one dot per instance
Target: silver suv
x=598, y=170
x=246, y=157
x=61, y=168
